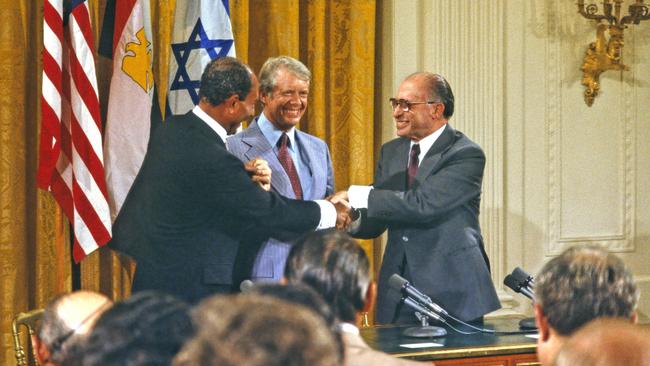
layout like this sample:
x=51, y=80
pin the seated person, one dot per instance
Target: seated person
x=67, y=319
x=255, y=330
x=606, y=342
x=581, y=284
x=148, y=328
x=334, y=265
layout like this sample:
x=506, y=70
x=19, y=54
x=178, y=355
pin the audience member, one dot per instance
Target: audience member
x=336, y=266
x=606, y=342
x=582, y=284
x=148, y=328
x=254, y=330
x=67, y=319
x=304, y=295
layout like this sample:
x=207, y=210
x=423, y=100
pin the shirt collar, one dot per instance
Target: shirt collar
x=427, y=142
x=211, y=122
x=272, y=133
x=348, y=328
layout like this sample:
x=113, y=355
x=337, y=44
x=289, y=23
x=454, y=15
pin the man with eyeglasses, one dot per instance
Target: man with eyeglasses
x=67, y=319
x=427, y=192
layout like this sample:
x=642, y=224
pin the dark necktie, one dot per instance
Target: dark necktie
x=414, y=160
x=287, y=164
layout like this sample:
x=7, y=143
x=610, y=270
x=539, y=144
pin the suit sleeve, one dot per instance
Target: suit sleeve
x=330, y=172
x=456, y=183
x=231, y=189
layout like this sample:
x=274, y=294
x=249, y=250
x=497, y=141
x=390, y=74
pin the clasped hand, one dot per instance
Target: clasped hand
x=260, y=172
x=343, y=209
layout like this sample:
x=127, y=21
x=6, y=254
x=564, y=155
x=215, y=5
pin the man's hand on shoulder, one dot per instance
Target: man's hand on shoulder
x=260, y=172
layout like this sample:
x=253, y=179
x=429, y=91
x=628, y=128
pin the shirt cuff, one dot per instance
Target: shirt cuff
x=327, y=214
x=358, y=196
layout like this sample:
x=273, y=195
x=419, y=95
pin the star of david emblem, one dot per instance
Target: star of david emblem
x=214, y=47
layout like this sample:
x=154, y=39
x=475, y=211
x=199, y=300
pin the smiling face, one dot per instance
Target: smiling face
x=421, y=120
x=287, y=103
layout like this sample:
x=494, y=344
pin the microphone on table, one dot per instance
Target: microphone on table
x=521, y=282
x=424, y=307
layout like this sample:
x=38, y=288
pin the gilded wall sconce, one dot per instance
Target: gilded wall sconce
x=605, y=53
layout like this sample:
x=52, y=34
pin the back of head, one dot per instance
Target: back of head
x=254, y=330
x=224, y=77
x=146, y=329
x=584, y=283
x=269, y=70
x=68, y=318
x=333, y=264
x=607, y=342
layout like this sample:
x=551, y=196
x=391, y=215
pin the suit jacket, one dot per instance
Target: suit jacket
x=358, y=353
x=434, y=225
x=191, y=206
x=250, y=144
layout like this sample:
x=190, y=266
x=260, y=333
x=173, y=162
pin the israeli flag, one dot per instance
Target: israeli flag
x=202, y=32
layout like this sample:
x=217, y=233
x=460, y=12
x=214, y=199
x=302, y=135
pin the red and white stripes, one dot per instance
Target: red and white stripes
x=70, y=163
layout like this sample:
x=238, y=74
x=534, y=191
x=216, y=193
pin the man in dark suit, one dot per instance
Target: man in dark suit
x=284, y=91
x=427, y=192
x=193, y=203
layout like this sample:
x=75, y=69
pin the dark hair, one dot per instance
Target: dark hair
x=333, y=264
x=148, y=328
x=437, y=88
x=255, y=330
x=584, y=283
x=224, y=77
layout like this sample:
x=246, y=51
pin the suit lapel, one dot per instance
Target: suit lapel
x=259, y=146
x=434, y=154
x=315, y=162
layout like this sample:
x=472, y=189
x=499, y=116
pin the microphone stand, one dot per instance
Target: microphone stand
x=424, y=330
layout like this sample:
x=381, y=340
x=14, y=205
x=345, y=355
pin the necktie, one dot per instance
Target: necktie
x=414, y=160
x=287, y=163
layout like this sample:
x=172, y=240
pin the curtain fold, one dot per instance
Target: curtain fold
x=335, y=39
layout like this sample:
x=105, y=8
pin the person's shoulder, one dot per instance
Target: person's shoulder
x=394, y=143
x=306, y=137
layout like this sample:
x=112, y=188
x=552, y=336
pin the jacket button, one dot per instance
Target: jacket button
x=405, y=238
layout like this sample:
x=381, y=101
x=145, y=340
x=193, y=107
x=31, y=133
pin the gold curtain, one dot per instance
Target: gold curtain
x=335, y=39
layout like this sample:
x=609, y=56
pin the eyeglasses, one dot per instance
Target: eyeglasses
x=405, y=105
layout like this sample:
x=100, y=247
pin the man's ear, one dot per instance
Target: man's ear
x=542, y=323
x=42, y=353
x=371, y=296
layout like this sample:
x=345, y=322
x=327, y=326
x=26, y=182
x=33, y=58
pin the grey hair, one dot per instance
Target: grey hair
x=269, y=71
x=584, y=283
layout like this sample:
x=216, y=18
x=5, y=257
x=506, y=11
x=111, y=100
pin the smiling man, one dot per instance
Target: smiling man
x=301, y=164
x=427, y=192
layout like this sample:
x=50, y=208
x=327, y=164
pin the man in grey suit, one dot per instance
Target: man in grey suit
x=301, y=164
x=427, y=192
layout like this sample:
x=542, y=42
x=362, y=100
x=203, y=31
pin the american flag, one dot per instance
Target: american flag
x=70, y=161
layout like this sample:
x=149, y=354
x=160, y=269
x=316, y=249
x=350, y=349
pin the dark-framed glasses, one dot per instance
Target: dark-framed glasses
x=406, y=105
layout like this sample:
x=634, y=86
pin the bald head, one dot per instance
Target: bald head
x=607, y=342
x=69, y=316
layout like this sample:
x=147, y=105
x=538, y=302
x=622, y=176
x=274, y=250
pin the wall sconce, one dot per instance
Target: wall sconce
x=605, y=54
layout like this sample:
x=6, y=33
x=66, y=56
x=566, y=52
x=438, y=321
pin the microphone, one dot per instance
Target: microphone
x=417, y=307
x=399, y=283
x=523, y=277
x=246, y=286
x=517, y=286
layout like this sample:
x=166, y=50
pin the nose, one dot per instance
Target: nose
x=397, y=111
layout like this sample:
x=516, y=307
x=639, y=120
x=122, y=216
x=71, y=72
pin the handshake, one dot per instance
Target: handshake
x=345, y=214
x=260, y=173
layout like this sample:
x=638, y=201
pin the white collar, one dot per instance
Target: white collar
x=348, y=328
x=211, y=122
x=427, y=142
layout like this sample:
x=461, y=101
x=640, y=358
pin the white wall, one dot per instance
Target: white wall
x=558, y=172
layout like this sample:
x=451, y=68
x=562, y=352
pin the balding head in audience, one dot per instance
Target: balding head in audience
x=67, y=319
x=148, y=328
x=582, y=284
x=607, y=342
x=256, y=330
